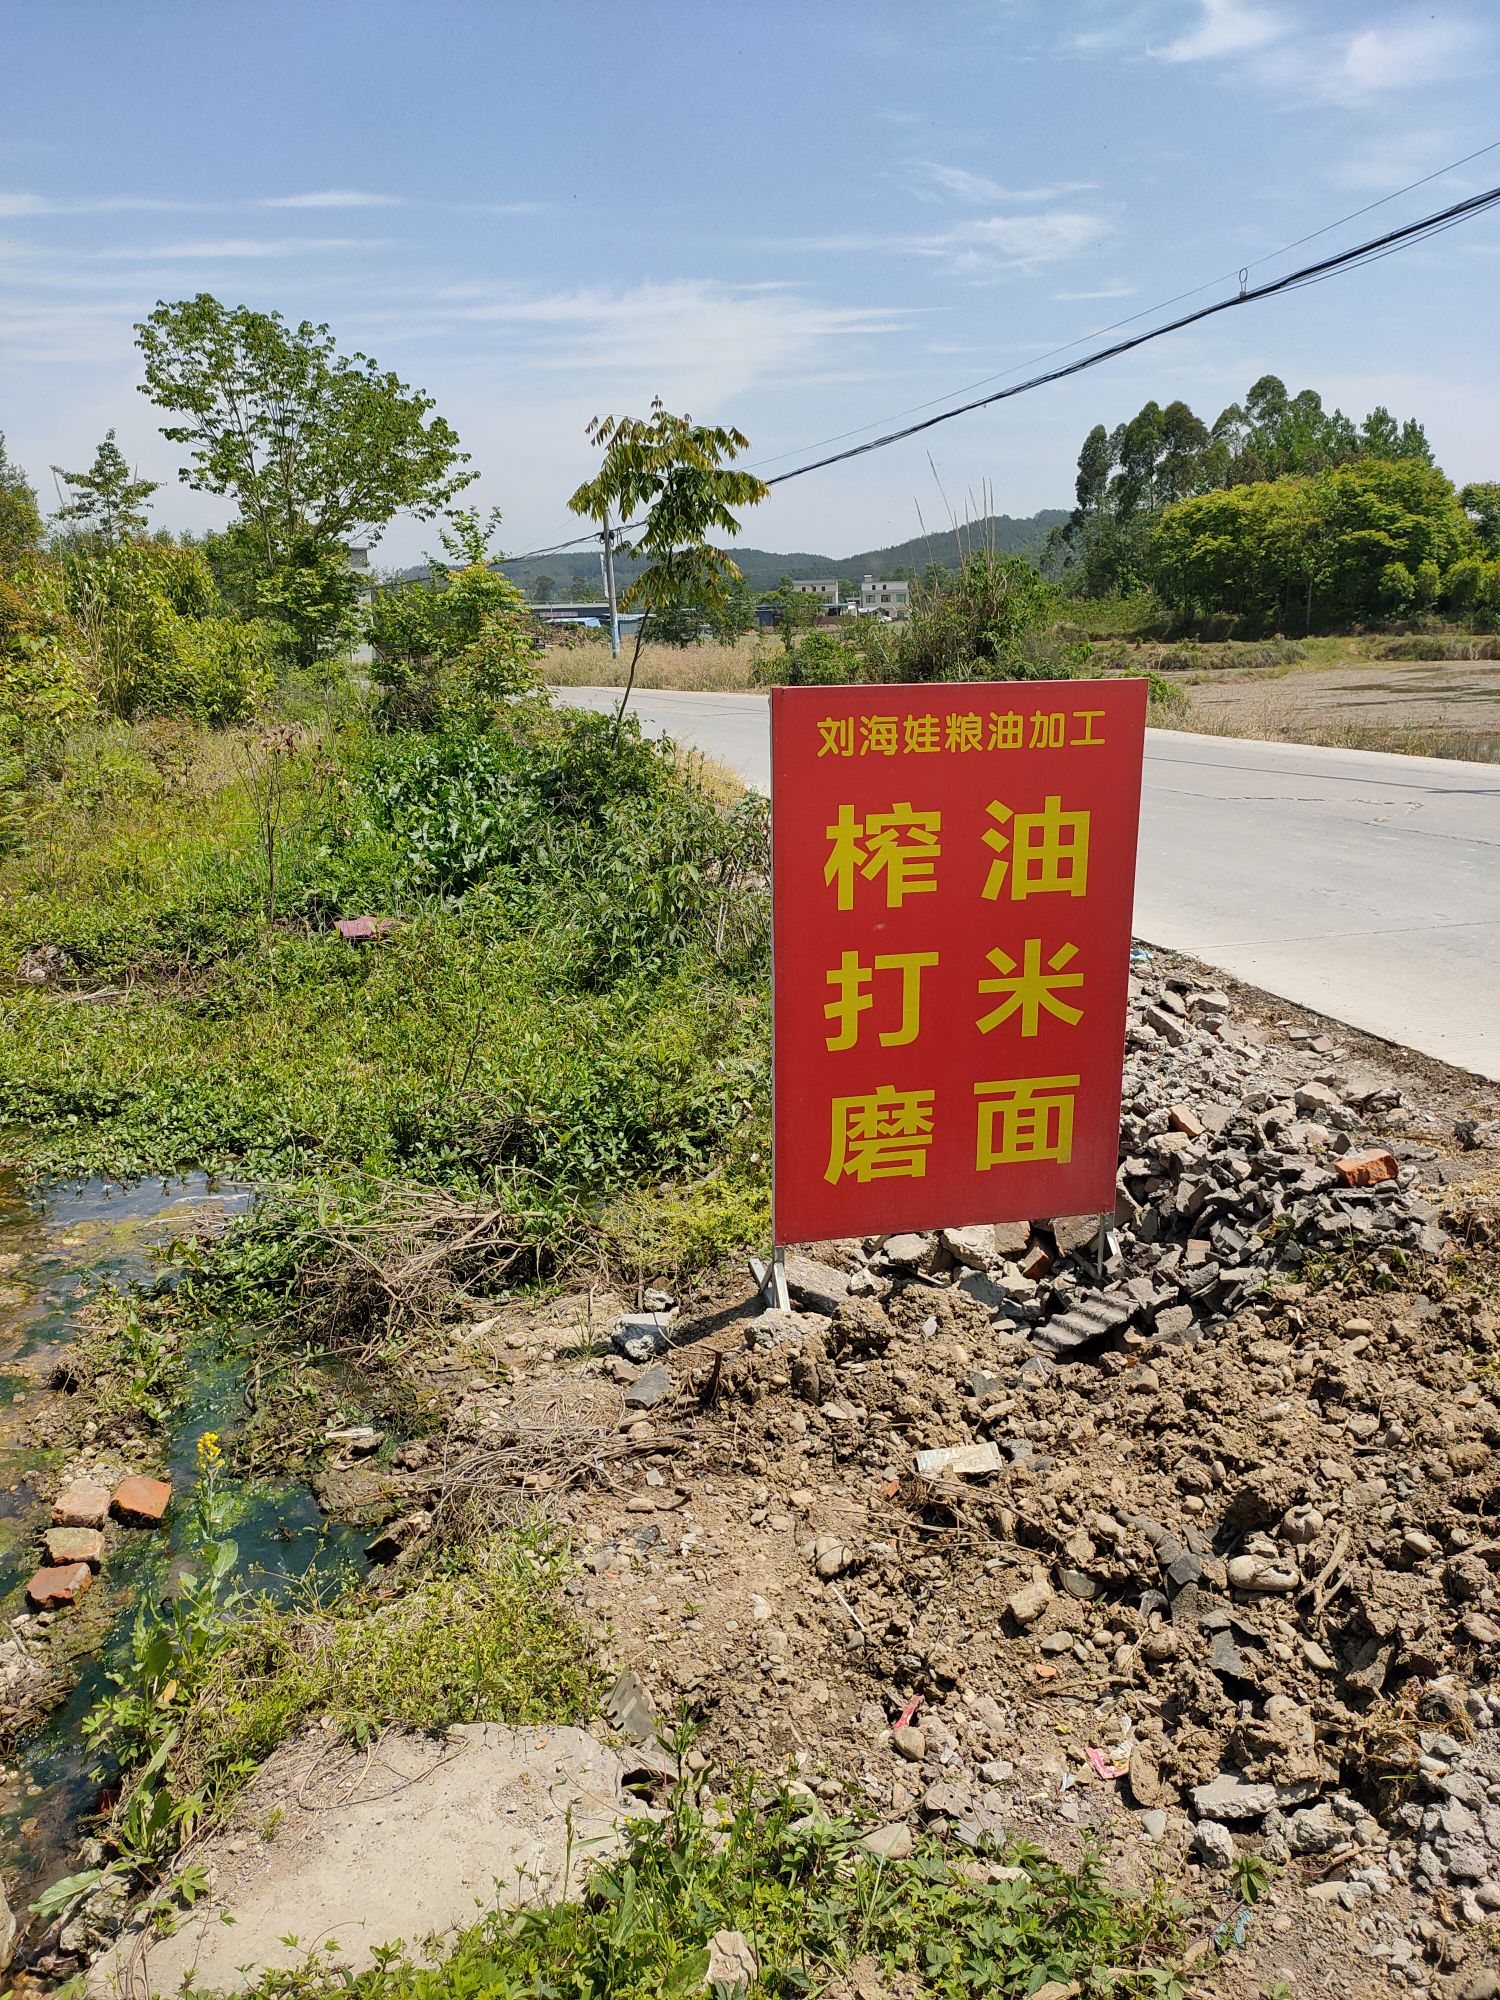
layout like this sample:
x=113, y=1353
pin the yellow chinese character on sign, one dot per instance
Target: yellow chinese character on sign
x=837, y=733
x=1088, y=740
x=923, y=734
x=1049, y=851
x=1029, y=1118
x=1005, y=730
x=965, y=732
x=881, y=1137
x=1047, y=730
x=877, y=736
x=1033, y=988
x=850, y=980
x=900, y=844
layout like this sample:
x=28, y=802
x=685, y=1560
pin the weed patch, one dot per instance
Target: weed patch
x=813, y=1905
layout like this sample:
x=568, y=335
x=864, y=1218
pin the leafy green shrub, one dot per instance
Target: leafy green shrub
x=450, y=649
x=1471, y=592
x=609, y=843
x=987, y=620
x=817, y=659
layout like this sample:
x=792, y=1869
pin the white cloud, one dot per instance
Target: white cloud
x=1115, y=291
x=332, y=198
x=1398, y=56
x=212, y=248
x=113, y=204
x=1017, y=241
x=932, y=178
x=689, y=337
x=1225, y=28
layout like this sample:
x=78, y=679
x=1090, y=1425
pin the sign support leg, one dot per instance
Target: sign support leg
x=770, y=1280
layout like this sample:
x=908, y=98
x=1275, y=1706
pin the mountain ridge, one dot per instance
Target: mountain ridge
x=1007, y=534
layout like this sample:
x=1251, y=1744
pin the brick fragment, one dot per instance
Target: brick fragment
x=1365, y=1169
x=74, y=1545
x=59, y=1584
x=1182, y=1120
x=140, y=1501
x=82, y=1505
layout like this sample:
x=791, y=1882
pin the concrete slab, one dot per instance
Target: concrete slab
x=416, y=1841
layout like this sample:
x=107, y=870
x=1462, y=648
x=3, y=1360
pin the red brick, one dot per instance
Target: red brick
x=74, y=1545
x=1182, y=1120
x=1038, y=1260
x=59, y=1584
x=82, y=1505
x=141, y=1501
x=1364, y=1169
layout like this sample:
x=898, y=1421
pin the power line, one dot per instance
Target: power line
x=1369, y=252
x=1146, y=312
x=1247, y=295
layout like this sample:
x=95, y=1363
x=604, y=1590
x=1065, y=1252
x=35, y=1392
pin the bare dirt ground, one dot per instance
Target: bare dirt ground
x=1439, y=708
x=1253, y=1545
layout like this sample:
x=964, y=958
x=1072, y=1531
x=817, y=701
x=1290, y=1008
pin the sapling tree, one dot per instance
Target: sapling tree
x=681, y=473
x=106, y=503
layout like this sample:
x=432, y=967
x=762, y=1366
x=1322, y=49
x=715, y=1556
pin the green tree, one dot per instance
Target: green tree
x=543, y=589
x=1352, y=543
x=20, y=519
x=795, y=611
x=454, y=646
x=1480, y=500
x=316, y=448
x=107, y=505
x=682, y=473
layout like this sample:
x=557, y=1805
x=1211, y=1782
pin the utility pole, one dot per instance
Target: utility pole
x=607, y=557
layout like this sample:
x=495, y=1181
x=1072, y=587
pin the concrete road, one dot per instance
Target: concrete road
x=1365, y=886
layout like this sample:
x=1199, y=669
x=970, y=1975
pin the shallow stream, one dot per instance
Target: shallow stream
x=55, y=1253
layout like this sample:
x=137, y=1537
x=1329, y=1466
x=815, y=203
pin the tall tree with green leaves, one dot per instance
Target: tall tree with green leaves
x=106, y=504
x=681, y=473
x=20, y=518
x=316, y=448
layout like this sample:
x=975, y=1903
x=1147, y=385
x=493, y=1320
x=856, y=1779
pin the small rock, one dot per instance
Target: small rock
x=911, y=1742
x=1213, y=1844
x=1028, y=1603
x=973, y=1248
x=733, y=1967
x=1073, y=1233
x=141, y=1502
x=1154, y=1823
x=1252, y=1574
x=817, y=1288
x=1317, y=1097
x=359, y=1440
x=83, y=1505
x=652, y=1386
x=830, y=1557
x=641, y=1336
x=59, y=1585
x=1182, y=1120
x=910, y=1252
x=889, y=1843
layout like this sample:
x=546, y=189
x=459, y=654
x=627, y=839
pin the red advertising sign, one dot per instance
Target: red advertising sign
x=953, y=872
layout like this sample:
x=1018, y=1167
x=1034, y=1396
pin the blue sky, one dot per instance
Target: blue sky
x=800, y=216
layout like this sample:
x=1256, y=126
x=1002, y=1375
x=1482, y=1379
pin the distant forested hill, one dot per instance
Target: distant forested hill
x=764, y=568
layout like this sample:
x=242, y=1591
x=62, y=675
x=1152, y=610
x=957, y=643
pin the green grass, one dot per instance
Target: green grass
x=480, y=1636
x=567, y=1012
x=812, y=1903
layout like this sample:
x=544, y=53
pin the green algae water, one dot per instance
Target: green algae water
x=56, y=1251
